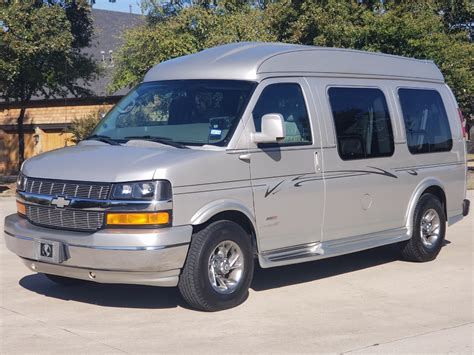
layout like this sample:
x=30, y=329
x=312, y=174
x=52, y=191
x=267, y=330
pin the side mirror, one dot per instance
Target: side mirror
x=273, y=129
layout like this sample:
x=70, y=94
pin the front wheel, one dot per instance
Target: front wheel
x=219, y=267
x=429, y=228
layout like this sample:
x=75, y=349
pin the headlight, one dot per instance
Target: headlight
x=21, y=182
x=143, y=190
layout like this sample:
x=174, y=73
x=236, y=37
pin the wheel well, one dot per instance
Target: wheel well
x=234, y=216
x=439, y=193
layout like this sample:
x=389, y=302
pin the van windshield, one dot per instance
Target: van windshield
x=188, y=112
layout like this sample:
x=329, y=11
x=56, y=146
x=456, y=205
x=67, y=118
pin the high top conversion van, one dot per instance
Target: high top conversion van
x=248, y=153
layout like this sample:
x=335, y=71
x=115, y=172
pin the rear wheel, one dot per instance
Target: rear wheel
x=64, y=281
x=429, y=228
x=219, y=267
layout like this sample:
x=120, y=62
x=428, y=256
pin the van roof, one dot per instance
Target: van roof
x=257, y=60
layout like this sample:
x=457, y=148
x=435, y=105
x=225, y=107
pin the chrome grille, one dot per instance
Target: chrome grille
x=68, y=189
x=65, y=218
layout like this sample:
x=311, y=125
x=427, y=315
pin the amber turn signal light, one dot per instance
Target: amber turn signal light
x=20, y=208
x=138, y=219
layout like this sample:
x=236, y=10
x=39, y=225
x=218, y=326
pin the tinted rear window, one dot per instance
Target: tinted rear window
x=362, y=122
x=426, y=122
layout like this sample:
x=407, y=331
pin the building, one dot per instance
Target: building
x=47, y=120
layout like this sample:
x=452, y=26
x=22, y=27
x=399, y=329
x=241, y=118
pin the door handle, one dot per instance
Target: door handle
x=245, y=157
x=317, y=164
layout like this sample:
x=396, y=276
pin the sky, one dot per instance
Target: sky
x=118, y=5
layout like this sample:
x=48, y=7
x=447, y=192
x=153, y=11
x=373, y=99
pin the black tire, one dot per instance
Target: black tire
x=64, y=281
x=414, y=249
x=195, y=285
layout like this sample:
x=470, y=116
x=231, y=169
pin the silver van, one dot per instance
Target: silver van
x=248, y=153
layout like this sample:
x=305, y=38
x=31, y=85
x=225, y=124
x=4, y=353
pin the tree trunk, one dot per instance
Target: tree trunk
x=21, y=135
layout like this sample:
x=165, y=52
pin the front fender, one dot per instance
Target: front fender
x=211, y=209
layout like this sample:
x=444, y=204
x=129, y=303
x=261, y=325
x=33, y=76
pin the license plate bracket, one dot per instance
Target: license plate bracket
x=50, y=251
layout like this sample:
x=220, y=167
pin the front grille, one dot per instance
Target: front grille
x=65, y=218
x=68, y=189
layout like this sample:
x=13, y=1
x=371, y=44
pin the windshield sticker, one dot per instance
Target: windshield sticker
x=215, y=133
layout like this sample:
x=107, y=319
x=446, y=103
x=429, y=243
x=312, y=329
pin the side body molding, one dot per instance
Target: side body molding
x=422, y=186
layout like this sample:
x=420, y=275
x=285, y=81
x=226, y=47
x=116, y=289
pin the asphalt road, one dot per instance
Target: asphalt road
x=364, y=302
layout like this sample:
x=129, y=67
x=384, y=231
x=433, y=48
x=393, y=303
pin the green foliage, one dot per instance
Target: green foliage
x=458, y=15
x=411, y=29
x=439, y=30
x=194, y=29
x=40, y=52
x=82, y=127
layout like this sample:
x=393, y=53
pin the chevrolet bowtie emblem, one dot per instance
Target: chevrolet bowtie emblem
x=60, y=202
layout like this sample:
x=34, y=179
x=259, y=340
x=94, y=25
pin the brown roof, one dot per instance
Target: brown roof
x=109, y=27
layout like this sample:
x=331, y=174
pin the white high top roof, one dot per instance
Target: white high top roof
x=257, y=60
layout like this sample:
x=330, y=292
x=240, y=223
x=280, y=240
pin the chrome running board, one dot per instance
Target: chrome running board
x=295, y=252
x=322, y=250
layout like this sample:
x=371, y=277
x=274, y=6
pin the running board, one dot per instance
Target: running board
x=296, y=252
x=321, y=250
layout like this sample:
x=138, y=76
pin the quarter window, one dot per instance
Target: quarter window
x=426, y=122
x=286, y=99
x=362, y=122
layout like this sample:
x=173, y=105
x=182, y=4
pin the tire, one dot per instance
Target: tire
x=423, y=247
x=212, y=253
x=64, y=281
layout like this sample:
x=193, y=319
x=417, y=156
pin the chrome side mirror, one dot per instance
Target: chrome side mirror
x=273, y=129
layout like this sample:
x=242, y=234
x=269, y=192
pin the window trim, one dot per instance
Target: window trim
x=288, y=144
x=336, y=141
x=398, y=88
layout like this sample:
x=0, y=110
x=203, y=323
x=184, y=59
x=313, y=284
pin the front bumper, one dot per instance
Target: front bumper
x=132, y=256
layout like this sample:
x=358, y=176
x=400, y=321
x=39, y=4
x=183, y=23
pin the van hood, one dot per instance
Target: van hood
x=100, y=162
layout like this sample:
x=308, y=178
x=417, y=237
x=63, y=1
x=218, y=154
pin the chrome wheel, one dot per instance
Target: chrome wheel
x=226, y=267
x=430, y=228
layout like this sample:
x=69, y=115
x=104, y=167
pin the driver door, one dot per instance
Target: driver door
x=287, y=183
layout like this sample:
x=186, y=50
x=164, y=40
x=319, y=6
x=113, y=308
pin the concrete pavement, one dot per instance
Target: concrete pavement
x=368, y=302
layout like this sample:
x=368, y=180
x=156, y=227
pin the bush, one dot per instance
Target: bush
x=83, y=126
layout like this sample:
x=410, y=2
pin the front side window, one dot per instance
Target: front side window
x=287, y=100
x=426, y=122
x=191, y=112
x=362, y=123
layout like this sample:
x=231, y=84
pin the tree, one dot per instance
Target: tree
x=40, y=53
x=157, y=10
x=412, y=29
x=458, y=15
x=194, y=29
x=426, y=29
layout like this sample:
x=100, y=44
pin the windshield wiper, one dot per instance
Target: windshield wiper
x=101, y=138
x=162, y=140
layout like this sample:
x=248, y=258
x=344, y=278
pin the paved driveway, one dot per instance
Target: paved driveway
x=365, y=302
